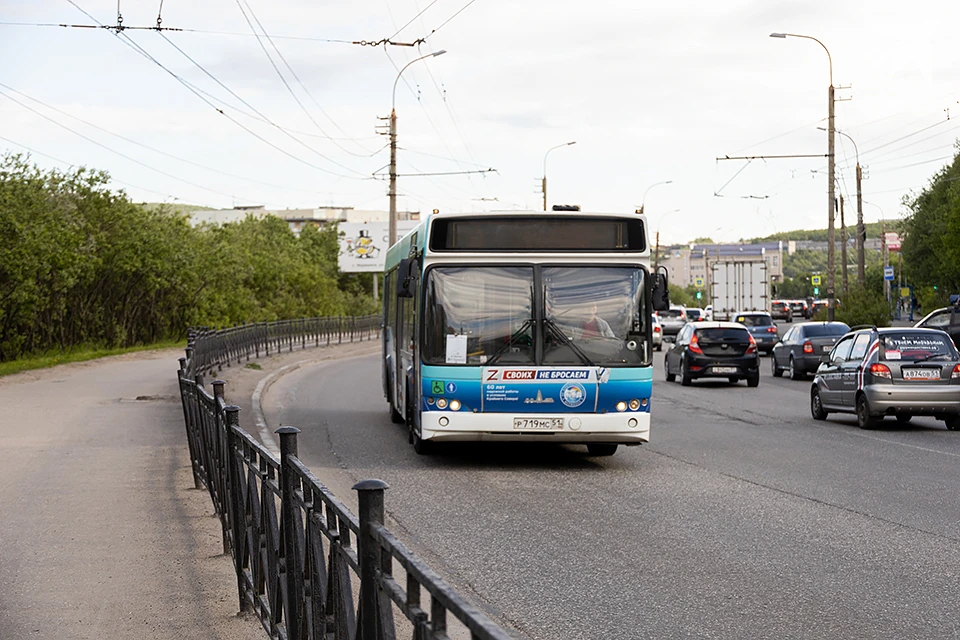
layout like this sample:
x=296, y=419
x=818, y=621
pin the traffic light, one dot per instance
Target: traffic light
x=816, y=291
x=699, y=295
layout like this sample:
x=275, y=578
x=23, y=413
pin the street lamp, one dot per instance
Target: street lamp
x=543, y=184
x=861, y=229
x=644, y=199
x=831, y=206
x=656, y=252
x=393, y=146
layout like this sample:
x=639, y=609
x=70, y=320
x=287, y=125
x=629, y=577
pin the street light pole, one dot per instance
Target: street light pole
x=644, y=199
x=543, y=183
x=831, y=168
x=393, y=147
x=656, y=252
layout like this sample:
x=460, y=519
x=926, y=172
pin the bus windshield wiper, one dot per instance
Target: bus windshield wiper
x=509, y=343
x=561, y=336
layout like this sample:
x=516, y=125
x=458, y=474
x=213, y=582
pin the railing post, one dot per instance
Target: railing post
x=370, y=494
x=291, y=554
x=221, y=480
x=235, y=502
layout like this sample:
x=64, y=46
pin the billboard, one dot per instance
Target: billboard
x=892, y=240
x=363, y=245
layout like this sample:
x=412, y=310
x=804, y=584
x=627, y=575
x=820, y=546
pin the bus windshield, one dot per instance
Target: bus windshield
x=484, y=315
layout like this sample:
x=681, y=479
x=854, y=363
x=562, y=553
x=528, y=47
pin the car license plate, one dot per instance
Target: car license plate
x=724, y=369
x=827, y=347
x=921, y=374
x=538, y=423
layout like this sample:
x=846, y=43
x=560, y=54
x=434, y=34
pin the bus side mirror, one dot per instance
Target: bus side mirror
x=406, y=273
x=661, y=291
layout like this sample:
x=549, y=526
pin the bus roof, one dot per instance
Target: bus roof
x=416, y=240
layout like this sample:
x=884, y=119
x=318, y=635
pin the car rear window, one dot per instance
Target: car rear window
x=825, y=330
x=914, y=346
x=723, y=334
x=755, y=321
x=669, y=313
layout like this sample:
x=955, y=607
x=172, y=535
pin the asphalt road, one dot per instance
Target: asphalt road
x=743, y=518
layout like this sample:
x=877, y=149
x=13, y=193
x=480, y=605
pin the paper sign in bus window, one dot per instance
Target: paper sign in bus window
x=456, y=349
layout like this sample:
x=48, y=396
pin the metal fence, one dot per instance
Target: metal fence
x=296, y=548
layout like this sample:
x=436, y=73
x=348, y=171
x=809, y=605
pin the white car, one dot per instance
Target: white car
x=708, y=313
x=657, y=334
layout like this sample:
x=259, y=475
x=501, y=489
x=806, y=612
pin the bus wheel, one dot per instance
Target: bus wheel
x=422, y=447
x=601, y=449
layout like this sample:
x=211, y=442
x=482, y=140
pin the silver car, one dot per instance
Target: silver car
x=672, y=320
x=893, y=371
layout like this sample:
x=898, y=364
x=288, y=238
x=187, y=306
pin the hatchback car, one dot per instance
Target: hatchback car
x=713, y=350
x=761, y=327
x=657, y=333
x=893, y=371
x=800, y=348
x=800, y=308
x=946, y=319
x=672, y=320
x=780, y=310
x=694, y=315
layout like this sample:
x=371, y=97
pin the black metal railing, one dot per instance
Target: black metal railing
x=302, y=559
x=215, y=349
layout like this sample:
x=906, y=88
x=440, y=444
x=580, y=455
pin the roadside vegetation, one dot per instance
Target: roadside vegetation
x=84, y=269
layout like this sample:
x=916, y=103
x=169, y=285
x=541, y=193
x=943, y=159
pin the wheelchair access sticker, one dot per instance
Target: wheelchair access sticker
x=437, y=387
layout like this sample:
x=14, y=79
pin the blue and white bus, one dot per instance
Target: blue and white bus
x=522, y=326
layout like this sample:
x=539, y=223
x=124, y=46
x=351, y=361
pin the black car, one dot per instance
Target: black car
x=713, y=350
x=946, y=319
x=893, y=371
x=761, y=327
x=800, y=348
x=800, y=308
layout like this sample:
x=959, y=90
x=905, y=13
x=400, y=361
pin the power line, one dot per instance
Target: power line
x=462, y=9
x=155, y=150
x=119, y=153
x=411, y=20
x=297, y=78
x=73, y=164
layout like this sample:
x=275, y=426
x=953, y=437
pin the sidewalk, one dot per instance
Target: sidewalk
x=103, y=534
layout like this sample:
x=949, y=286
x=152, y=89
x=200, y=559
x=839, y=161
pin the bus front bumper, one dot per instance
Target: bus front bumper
x=631, y=427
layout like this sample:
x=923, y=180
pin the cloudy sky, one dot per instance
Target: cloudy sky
x=650, y=92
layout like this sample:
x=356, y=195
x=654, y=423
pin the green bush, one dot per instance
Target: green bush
x=863, y=306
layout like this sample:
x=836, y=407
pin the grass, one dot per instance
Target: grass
x=77, y=354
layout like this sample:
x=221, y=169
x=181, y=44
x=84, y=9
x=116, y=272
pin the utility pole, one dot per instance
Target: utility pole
x=393, y=176
x=886, y=258
x=843, y=246
x=656, y=253
x=861, y=232
x=543, y=183
x=831, y=203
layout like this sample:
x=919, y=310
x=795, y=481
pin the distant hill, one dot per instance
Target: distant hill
x=175, y=206
x=820, y=235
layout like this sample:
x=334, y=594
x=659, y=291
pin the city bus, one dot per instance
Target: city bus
x=522, y=326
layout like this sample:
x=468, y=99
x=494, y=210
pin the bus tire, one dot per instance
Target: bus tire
x=395, y=416
x=601, y=449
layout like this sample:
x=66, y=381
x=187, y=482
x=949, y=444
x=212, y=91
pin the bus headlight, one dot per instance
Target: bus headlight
x=454, y=405
x=441, y=403
x=634, y=404
x=621, y=406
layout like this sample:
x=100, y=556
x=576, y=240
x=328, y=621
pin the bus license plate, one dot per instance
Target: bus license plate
x=921, y=374
x=538, y=423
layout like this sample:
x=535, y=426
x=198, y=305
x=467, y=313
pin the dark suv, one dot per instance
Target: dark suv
x=713, y=350
x=780, y=310
x=893, y=371
x=800, y=348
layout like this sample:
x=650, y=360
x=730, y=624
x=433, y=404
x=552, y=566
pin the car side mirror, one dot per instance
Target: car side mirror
x=825, y=358
x=406, y=274
x=660, y=293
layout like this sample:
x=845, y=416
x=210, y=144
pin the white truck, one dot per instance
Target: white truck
x=738, y=285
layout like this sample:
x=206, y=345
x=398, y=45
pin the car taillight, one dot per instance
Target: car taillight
x=695, y=345
x=808, y=347
x=771, y=329
x=753, y=346
x=880, y=371
x=656, y=329
x=956, y=372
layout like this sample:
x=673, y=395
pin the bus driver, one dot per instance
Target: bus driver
x=595, y=326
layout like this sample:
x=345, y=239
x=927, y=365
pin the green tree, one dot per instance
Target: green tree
x=931, y=246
